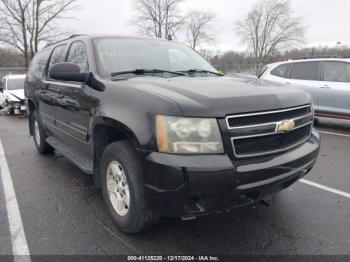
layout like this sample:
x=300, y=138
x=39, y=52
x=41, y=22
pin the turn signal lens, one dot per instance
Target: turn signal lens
x=162, y=135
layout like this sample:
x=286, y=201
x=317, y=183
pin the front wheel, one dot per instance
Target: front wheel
x=123, y=189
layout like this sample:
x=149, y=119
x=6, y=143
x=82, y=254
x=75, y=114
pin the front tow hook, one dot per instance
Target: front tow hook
x=267, y=201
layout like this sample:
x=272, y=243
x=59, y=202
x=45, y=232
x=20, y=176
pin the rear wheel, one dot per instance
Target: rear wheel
x=40, y=136
x=123, y=189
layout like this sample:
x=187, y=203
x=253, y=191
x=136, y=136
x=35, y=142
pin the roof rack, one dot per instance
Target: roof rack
x=75, y=35
x=70, y=37
x=317, y=57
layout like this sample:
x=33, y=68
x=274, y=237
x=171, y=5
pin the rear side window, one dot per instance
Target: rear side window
x=305, y=71
x=38, y=64
x=336, y=72
x=57, y=55
x=281, y=71
x=77, y=55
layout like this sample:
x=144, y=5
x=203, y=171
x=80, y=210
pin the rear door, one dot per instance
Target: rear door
x=335, y=88
x=47, y=94
x=307, y=75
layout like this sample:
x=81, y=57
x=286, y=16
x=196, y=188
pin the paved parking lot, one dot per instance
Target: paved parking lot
x=62, y=213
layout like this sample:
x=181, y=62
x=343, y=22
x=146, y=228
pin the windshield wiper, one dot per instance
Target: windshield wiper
x=193, y=71
x=141, y=71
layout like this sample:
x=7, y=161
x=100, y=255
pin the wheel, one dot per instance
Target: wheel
x=123, y=189
x=9, y=111
x=39, y=135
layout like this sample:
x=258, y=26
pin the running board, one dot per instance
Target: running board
x=84, y=163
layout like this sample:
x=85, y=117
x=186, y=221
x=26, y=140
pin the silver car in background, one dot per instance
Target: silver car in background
x=327, y=80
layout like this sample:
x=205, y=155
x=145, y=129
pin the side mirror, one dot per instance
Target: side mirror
x=68, y=72
x=71, y=73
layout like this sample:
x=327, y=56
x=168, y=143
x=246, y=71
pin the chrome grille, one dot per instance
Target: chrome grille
x=257, y=134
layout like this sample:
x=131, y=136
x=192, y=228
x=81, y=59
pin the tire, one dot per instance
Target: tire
x=134, y=215
x=10, y=111
x=40, y=136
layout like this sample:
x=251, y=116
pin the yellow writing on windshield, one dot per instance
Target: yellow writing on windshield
x=119, y=54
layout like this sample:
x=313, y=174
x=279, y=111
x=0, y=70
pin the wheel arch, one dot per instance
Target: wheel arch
x=105, y=132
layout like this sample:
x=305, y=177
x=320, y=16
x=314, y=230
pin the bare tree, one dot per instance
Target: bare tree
x=198, y=28
x=270, y=27
x=26, y=24
x=159, y=18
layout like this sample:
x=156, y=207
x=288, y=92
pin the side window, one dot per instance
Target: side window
x=38, y=64
x=305, y=71
x=336, y=72
x=281, y=71
x=77, y=55
x=57, y=55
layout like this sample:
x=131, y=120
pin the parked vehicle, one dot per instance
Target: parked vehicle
x=162, y=132
x=12, y=98
x=327, y=80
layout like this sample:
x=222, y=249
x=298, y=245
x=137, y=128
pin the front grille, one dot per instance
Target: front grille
x=262, y=118
x=274, y=143
x=258, y=134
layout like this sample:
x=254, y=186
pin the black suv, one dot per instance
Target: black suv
x=162, y=132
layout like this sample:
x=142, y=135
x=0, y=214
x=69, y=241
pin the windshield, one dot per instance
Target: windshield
x=119, y=55
x=15, y=84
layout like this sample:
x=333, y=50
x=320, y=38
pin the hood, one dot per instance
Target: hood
x=15, y=95
x=222, y=96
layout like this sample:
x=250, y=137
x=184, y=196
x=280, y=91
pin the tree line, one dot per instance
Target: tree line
x=245, y=62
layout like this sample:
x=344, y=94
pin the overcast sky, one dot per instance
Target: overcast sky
x=327, y=21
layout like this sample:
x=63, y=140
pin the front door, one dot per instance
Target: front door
x=73, y=103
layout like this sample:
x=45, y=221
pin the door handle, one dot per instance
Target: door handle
x=326, y=87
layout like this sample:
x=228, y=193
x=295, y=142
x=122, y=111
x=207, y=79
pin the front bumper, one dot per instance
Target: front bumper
x=187, y=186
x=18, y=108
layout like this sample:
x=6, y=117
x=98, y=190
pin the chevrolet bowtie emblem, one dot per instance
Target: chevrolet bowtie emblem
x=285, y=126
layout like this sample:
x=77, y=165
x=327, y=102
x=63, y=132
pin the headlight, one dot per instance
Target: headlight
x=179, y=135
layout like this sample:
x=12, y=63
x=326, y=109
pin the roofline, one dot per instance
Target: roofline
x=346, y=59
x=15, y=76
x=96, y=36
